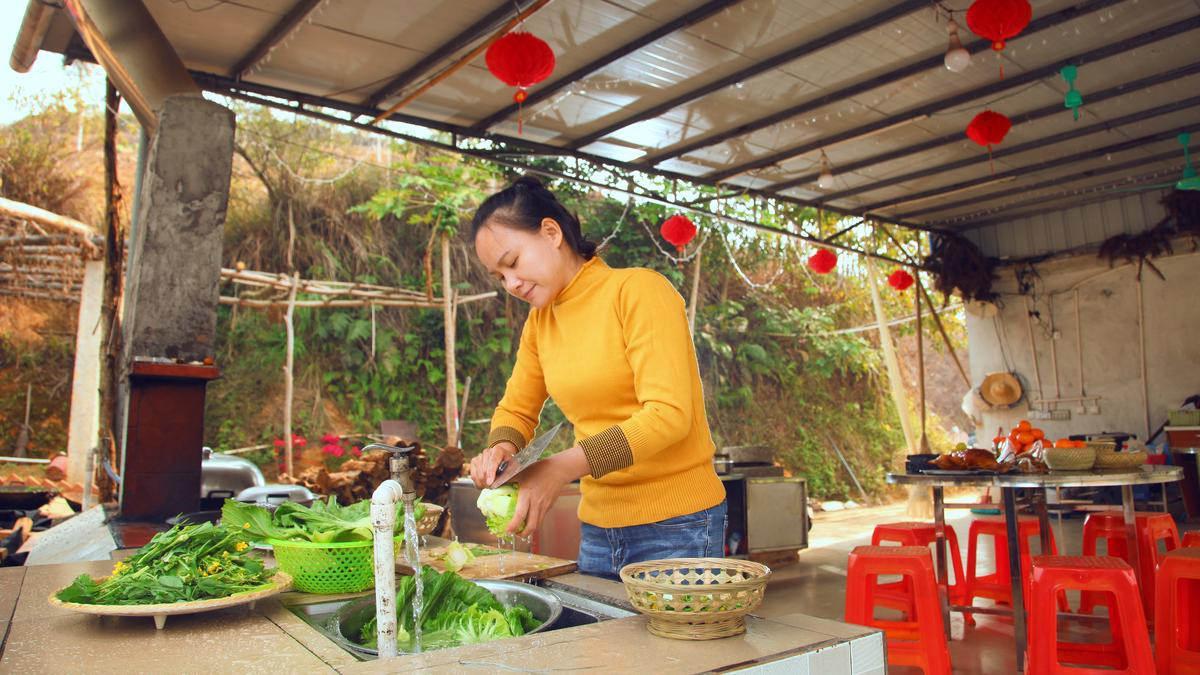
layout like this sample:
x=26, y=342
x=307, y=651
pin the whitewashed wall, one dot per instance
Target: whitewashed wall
x=1111, y=348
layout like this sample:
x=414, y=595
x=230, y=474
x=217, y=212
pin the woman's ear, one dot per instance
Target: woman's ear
x=552, y=231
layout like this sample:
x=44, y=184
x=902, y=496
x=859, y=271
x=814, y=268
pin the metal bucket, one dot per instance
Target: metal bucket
x=346, y=625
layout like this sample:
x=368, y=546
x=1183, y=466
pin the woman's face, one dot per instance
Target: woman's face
x=532, y=265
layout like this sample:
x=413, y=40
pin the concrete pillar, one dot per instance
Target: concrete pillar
x=175, y=252
x=85, y=383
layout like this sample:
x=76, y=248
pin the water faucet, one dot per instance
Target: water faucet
x=399, y=464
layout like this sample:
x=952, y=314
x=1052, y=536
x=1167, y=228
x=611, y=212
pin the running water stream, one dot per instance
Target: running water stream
x=413, y=557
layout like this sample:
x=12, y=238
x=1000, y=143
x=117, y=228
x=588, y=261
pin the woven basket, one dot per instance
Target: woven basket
x=346, y=567
x=1069, y=459
x=429, y=521
x=1107, y=457
x=695, y=598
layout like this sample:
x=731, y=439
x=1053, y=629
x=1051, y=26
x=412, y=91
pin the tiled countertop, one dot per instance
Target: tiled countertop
x=41, y=638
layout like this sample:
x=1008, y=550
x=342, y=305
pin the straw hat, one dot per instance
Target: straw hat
x=1000, y=390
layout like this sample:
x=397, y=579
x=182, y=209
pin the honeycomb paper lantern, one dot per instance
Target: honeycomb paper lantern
x=678, y=230
x=823, y=261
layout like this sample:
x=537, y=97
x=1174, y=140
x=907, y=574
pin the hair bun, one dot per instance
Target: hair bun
x=530, y=182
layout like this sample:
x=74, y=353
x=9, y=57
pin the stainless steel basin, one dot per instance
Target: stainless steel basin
x=574, y=610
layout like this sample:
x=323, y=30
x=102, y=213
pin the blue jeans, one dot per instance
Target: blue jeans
x=603, y=551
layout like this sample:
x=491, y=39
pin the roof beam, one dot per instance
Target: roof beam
x=882, y=80
x=1024, y=189
x=224, y=85
x=1035, y=144
x=297, y=14
x=1010, y=82
x=956, y=137
x=892, y=13
x=494, y=18
x=691, y=18
x=1021, y=171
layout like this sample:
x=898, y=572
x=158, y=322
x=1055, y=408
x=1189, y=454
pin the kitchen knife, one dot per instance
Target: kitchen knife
x=524, y=457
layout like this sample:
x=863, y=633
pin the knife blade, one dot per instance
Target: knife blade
x=524, y=457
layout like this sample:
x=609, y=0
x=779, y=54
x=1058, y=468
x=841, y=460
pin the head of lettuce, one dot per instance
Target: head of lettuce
x=498, y=507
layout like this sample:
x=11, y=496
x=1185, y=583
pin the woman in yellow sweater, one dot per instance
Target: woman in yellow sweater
x=613, y=349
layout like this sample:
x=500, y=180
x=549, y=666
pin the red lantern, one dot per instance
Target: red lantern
x=999, y=20
x=678, y=230
x=989, y=128
x=900, y=280
x=520, y=60
x=823, y=261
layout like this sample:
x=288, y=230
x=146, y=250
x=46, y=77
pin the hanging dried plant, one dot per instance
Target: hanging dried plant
x=1182, y=219
x=957, y=264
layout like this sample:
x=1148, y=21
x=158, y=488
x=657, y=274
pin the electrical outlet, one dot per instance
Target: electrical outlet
x=1060, y=415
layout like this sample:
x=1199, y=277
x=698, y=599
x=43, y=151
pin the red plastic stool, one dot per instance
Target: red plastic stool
x=1191, y=539
x=1129, y=651
x=921, y=639
x=998, y=585
x=899, y=594
x=1152, y=527
x=1177, y=612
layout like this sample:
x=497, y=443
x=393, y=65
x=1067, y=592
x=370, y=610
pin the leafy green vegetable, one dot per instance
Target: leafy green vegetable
x=457, y=556
x=185, y=563
x=324, y=522
x=498, y=507
x=455, y=612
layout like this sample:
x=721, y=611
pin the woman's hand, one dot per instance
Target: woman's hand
x=541, y=484
x=483, y=465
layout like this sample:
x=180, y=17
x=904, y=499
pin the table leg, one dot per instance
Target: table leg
x=943, y=577
x=1043, y=520
x=1131, y=542
x=1014, y=566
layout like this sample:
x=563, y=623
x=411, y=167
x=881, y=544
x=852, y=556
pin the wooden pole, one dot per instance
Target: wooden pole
x=899, y=398
x=449, y=313
x=937, y=321
x=921, y=364
x=288, y=379
x=113, y=290
x=694, y=298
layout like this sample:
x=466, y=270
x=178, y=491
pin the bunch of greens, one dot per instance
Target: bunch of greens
x=498, y=507
x=185, y=563
x=455, y=612
x=324, y=522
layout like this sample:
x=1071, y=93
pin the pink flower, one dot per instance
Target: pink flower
x=356, y=451
x=299, y=441
x=338, y=451
x=279, y=443
x=330, y=438
x=331, y=449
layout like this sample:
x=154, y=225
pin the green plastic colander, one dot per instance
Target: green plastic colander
x=346, y=567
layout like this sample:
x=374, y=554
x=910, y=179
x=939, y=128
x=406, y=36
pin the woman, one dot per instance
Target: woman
x=613, y=349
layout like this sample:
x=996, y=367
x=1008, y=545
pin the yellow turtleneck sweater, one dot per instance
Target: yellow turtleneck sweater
x=614, y=352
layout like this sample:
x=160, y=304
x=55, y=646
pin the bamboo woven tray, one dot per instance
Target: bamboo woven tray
x=695, y=598
x=279, y=583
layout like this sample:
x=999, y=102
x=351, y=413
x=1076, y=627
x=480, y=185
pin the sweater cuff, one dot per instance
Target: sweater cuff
x=501, y=434
x=607, y=451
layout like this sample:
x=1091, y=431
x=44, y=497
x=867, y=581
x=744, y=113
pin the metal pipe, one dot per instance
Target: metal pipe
x=1079, y=345
x=29, y=40
x=1037, y=371
x=1053, y=349
x=383, y=523
x=1014, y=569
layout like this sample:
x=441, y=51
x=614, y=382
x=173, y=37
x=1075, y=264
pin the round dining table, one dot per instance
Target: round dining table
x=1008, y=484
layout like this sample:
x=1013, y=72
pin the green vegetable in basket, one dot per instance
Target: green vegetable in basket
x=455, y=612
x=185, y=563
x=498, y=507
x=324, y=522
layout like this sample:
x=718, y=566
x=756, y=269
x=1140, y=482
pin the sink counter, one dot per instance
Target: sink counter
x=39, y=638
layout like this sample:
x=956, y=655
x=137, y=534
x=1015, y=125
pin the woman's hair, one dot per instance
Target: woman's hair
x=523, y=205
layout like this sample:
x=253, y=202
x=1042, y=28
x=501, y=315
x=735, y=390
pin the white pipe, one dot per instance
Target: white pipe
x=1142, y=358
x=383, y=522
x=1037, y=371
x=1079, y=344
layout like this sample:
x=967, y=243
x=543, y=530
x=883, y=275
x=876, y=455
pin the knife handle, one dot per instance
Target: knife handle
x=501, y=467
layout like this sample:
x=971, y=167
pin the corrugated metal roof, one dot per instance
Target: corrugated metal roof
x=864, y=99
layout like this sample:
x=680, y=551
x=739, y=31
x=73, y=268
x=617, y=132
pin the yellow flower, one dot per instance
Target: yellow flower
x=245, y=526
x=241, y=546
x=119, y=568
